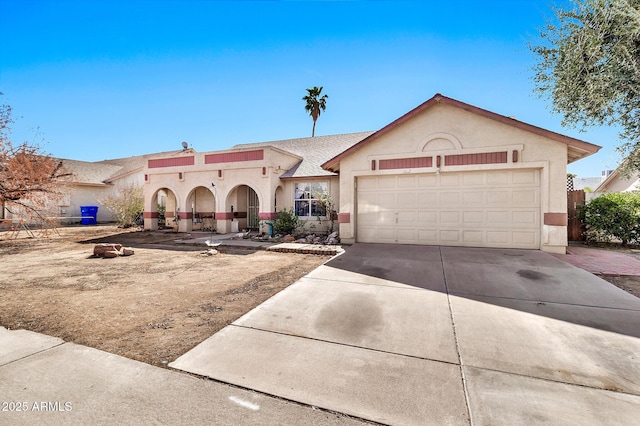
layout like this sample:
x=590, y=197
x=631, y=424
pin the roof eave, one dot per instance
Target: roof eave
x=581, y=149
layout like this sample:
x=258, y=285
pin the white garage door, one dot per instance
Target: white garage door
x=476, y=209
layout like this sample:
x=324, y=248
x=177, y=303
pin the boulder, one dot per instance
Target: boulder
x=100, y=249
x=288, y=239
x=110, y=254
x=127, y=251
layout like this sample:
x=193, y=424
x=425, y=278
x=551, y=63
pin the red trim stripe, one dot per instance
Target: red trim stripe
x=171, y=162
x=231, y=157
x=405, y=163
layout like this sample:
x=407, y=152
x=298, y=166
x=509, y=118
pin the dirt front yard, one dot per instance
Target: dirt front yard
x=153, y=306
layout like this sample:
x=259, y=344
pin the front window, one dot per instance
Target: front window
x=308, y=199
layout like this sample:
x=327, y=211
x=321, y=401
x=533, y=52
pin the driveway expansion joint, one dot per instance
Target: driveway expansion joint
x=455, y=337
x=345, y=344
x=543, y=302
x=579, y=385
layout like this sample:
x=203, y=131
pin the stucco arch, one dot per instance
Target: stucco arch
x=241, y=200
x=441, y=142
x=153, y=219
x=200, y=207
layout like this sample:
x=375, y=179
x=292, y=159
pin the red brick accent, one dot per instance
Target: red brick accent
x=556, y=219
x=344, y=217
x=185, y=215
x=267, y=215
x=224, y=215
x=482, y=158
x=230, y=157
x=171, y=162
x=150, y=215
x=405, y=163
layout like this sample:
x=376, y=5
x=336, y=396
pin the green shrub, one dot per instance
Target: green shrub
x=614, y=216
x=286, y=222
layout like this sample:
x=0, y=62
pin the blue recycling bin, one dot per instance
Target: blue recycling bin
x=89, y=215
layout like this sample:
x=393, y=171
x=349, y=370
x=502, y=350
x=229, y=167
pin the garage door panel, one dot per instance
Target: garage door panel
x=473, y=179
x=386, y=218
x=499, y=178
x=524, y=238
x=407, y=200
x=499, y=198
x=427, y=199
x=427, y=236
x=407, y=181
x=449, y=198
x=473, y=237
x=450, y=236
x=473, y=198
x=497, y=237
x=525, y=218
x=449, y=179
x=472, y=217
x=367, y=183
x=483, y=208
x=428, y=218
x=407, y=218
x=498, y=217
x=526, y=198
x=425, y=181
x=450, y=217
x=526, y=177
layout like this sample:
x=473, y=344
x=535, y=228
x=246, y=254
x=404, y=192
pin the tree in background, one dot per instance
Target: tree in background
x=589, y=66
x=315, y=104
x=29, y=179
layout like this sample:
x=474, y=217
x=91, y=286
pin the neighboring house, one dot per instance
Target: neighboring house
x=90, y=184
x=445, y=173
x=586, y=184
x=617, y=182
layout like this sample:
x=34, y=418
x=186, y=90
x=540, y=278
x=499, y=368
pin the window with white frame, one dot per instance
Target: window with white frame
x=308, y=196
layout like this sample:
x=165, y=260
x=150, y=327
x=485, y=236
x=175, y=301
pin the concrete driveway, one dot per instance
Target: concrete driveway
x=440, y=335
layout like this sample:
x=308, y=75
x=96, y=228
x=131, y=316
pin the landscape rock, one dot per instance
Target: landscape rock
x=288, y=239
x=100, y=249
x=127, y=251
x=110, y=254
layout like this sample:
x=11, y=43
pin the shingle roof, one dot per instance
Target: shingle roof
x=103, y=172
x=129, y=164
x=313, y=151
x=89, y=173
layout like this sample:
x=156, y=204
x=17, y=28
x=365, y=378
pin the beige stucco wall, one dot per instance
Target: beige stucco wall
x=444, y=129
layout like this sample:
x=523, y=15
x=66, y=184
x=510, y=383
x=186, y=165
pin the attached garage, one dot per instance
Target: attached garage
x=493, y=208
x=450, y=173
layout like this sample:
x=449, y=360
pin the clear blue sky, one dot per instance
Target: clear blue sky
x=109, y=79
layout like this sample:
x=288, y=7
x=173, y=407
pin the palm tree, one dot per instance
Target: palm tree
x=315, y=104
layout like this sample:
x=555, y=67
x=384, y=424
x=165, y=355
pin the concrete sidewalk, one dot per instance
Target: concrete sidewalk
x=44, y=380
x=440, y=335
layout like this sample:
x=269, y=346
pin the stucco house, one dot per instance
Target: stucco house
x=444, y=173
x=618, y=182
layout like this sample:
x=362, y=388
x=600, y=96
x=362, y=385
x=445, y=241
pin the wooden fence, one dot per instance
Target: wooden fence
x=574, y=227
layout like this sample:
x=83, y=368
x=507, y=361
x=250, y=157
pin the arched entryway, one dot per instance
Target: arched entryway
x=201, y=204
x=244, y=204
x=163, y=210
